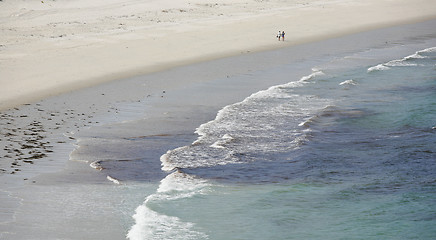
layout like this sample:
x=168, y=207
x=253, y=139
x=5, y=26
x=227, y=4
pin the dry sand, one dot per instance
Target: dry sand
x=51, y=47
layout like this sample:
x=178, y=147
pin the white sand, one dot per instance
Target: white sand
x=51, y=47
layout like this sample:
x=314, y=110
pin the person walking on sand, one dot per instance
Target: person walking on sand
x=283, y=36
x=279, y=35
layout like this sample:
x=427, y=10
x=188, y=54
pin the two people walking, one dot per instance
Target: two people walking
x=281, y=35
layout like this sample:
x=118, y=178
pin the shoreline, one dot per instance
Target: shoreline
x=46, y=63
x=172, y=106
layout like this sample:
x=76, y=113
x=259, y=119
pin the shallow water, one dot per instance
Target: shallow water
x=346, y=152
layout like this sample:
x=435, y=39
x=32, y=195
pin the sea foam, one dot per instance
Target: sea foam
x=348, y=82
x=315, y=73
x=407, y=61
x=380, y=67
x=150, y=224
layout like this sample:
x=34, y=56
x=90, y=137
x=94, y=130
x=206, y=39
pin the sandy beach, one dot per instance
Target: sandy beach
x=94, y=92
x=52, y=47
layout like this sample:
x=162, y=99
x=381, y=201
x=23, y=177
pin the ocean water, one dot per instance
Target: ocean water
x=346, y=152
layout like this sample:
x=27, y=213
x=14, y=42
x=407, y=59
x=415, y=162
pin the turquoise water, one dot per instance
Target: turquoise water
x=347, y=152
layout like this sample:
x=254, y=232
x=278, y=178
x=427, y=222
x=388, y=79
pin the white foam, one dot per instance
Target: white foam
x=202, y=129
x=422, y=53
x=432, y=49
x=278, y=91
x=114, y=180
x=166, y=164
x=307, y=122
x=224, y=140
x=316, y=73
x=150, y=224
x=96, y=165
x=380, y=67
x=417, y=55
x=257, y=116
x=179, y=182
x=400, y=63
x=348, y=82
x=404, y=62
